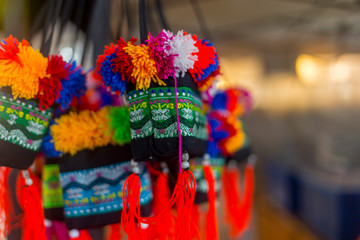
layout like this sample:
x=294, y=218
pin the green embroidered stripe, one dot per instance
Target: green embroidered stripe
x=21, y=122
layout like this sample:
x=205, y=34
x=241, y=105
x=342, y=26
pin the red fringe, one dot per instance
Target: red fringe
x=183, y=195
x=211, y=229
x=196, y=216
x=5, y=204
x=131, y=211
x=238, y=210
x=29, y=198
x=185, y=189
x=115, y=232
x=163, y=227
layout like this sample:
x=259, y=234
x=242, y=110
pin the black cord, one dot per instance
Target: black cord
x=162, y=18
x=46, y=46
x=143, y=19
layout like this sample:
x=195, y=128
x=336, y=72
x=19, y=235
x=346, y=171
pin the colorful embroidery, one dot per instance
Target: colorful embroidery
x=99, y=190
x=21, y=122
x=163, y=111
x=140, y=115
x=198, y=171
x=51, y=188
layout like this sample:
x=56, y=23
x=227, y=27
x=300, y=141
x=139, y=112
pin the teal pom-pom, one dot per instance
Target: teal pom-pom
x=119, y=122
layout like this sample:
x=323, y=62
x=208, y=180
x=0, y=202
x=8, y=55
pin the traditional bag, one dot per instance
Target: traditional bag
x=93, y=168
x=30, y=86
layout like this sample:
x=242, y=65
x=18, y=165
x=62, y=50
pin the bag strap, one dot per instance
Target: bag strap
x=162, y=18
x=143, y=21
x=50, y=22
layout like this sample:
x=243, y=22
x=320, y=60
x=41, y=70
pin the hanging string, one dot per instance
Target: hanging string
x=178, y=125
x=46, y=42
x=163, y=21
x=143, y=17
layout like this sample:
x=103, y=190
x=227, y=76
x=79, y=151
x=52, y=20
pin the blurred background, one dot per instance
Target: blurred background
x=299, y=59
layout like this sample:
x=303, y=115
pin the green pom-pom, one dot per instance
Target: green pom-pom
x=119, y=122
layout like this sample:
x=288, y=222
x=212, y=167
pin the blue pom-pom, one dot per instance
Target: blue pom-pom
x=74, y=87
x=112, y=79
x=47, y=146
x=212, y=149
x=219, y=101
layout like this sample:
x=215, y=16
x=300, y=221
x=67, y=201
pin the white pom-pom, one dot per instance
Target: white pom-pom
x=182, y=47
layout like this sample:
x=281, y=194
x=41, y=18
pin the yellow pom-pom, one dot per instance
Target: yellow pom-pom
x=9, y=71
x=79, y=131
x=144, y=66
x=25, y=83
x=235, y=142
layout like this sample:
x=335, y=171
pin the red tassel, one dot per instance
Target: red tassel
x=29, y=198
x=162, y=228
x=5, y=204
x=115, y=232
x=196, y=215
x=231, y=188
x=83, y=235
x=211, y=229
x=247, y=200
x=238, y=211
x=183, y=194
x=185, y=189
x=130, y=217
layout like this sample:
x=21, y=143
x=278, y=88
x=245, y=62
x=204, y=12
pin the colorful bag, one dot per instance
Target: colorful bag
x=153, y=121
x=30, y=87
x=93, y=168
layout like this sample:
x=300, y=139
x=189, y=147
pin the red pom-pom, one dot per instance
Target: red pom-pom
x=9, y=49
x=206, y=56
x=50, y=87
x=123, y=64
x=101, y=58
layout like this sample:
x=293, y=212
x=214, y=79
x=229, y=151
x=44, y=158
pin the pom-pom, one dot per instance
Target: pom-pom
x=164, y=62
x=119, y=123
x=110, y=77
x=47, y=146
x=225, y=132
x=237, y=101
x=9, y=49
x=78, y=131
x=144, y=66
x=182, y=46
x=122, y=63
x=50, y=87
x=73, y=87
x=207, y=61
x=26, y=80
x=101, y=58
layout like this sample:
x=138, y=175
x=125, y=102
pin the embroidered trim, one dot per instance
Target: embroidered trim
x=22, y=123
x=163, y=111
x=140, y=115
x=99, y=190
